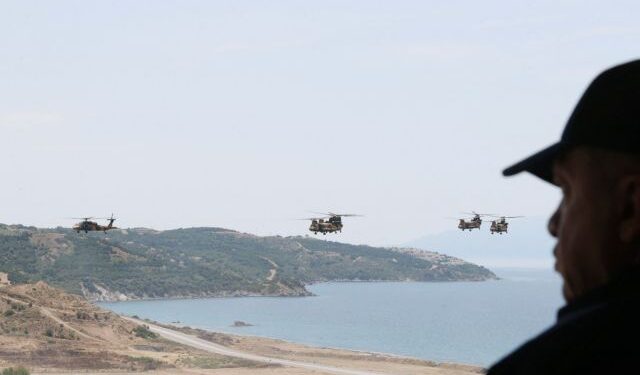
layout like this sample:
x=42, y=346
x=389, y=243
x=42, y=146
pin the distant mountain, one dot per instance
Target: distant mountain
x=528, y=244
x=199, y=262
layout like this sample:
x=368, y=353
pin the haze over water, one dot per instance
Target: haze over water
x=464, y=322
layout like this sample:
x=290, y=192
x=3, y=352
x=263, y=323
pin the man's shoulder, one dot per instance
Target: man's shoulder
x=597, y=340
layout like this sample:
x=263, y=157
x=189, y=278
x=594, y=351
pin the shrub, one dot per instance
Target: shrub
x=144, y=332
x=15, y=371
x=147, y=363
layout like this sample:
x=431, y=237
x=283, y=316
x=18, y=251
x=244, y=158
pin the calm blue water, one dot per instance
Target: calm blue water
x=465, y=322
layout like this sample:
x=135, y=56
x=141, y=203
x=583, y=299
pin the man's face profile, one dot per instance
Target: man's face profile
x=596, y=209
x=596, y=163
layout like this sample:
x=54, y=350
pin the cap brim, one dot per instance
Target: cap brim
x=539, y=164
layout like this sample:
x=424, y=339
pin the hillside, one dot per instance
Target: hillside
x=197, y=262
x=44, y=328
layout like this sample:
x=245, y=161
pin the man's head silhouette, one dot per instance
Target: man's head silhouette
x=597, y=165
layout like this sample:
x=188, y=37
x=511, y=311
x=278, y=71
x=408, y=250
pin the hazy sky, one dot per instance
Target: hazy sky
x=248, y=114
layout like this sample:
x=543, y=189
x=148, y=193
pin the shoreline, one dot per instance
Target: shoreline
x=55, y=332
x=237, y=294
x=276, y=344
x=181, y=326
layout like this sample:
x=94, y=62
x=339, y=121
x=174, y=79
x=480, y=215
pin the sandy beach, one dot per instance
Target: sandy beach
x=257, y=355
x=282, y=357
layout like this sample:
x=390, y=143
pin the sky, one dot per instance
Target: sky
x=250, y=114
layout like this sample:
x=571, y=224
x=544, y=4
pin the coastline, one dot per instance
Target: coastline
x=323, y=355
x=55, y=331
x=180, y=326
x=242, y=294
x=235, y=294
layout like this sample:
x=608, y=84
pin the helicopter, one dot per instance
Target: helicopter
x=91, y=226
x=329, y=223
x=500, y=225
x=474, y=223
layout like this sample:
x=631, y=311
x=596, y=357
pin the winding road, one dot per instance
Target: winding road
x=210, y=347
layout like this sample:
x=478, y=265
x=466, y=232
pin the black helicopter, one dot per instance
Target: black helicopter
x=86, y=225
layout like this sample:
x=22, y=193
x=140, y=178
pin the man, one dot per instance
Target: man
x=597, y=226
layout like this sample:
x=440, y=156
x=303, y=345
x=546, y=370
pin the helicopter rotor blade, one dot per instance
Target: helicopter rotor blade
x=330, y=214
x=511, y=217
x=321, y=213
x=475, y=213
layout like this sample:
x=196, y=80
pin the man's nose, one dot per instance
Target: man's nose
x=552, y=226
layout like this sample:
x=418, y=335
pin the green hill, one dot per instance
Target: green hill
x=198, y=262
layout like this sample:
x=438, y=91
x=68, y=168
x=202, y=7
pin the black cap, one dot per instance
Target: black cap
x=607, y=117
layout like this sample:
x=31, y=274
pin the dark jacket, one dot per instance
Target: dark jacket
x=599, y=333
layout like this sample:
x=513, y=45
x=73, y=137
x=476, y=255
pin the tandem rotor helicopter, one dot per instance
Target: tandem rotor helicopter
x=474, y=223
x=500, y=225
x=91, y=226
x=328, y=223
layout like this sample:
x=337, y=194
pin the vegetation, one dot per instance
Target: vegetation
x=15, y=371
x=146, y=363
x=194, y=262
x=217, y=361
x=144, y=332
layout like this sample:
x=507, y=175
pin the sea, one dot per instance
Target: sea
x=474, y=323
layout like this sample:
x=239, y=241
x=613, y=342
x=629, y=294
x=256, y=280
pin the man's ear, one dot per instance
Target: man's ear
x=630, y=199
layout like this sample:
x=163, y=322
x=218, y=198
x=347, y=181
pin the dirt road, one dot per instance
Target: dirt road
x=208, y=346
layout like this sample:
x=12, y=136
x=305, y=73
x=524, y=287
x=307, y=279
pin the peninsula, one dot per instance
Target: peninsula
x=142, y=263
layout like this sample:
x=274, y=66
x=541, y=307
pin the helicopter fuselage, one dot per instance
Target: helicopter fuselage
x=469, y=225
x=331, y=225
x=91, y=226
x=499, y=226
